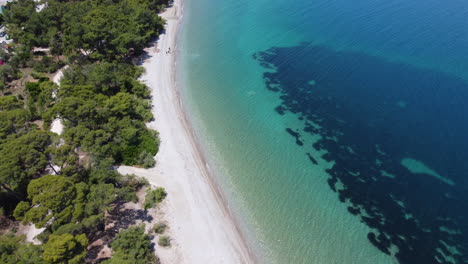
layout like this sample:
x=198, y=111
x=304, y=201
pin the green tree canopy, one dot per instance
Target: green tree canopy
x=10, y=102
x=13, y=250
x=104, y=113
x=65, y=249
x=23, y=159
x=132, y=246
x=100, y=196
x=52, y=198
x=14, y=122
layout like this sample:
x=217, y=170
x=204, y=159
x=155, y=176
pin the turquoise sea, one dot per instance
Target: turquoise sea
x=337, y=129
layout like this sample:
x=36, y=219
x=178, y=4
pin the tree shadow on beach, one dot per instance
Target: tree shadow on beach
x=118, y=218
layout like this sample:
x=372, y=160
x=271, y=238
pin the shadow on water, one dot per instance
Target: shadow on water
x=398, y=136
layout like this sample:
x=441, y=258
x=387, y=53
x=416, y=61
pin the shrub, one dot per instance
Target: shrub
x=127, y=194
x=132, y=246
x=164, y=241
x=71, y=228
x=21, y=210
x=38, y=75
x=44, y=236
x=133, y=180
x=160, y=194
x=129, y=184
x=10, y=102
x=154, y=197
x=159, y=228
x=149, y=141
x=33, y=88
x=65, y=249
x=146, y=159
x=93, y=223
x=140, y=152
x=39, y=66
x=46, y=65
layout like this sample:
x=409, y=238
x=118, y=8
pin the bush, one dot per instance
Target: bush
x=132, y=246
x=39, y=66
x=33, y=88
x=128, y=155
x=93, y=223
x=127, y=194
x=38, y=75
x=159, y=228
x=7, y=74
x=21, y=210
x=140, y=152
x=65, y=249
x=72, y=228
x=47, y=65
x=146, y=160
x=149, y=141
x=132, y=180
x=164, y=241
x=154, y=197
x=13, y=249
x=129, y=184
x=44, y=236
x=10, y=102
x=160, y=194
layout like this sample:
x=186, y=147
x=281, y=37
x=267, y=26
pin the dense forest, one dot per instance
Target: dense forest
x=67, y=183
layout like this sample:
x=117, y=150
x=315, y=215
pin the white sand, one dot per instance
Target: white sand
x=56, y=126
x=31, y=232
x=200, y=226
x=59, y=75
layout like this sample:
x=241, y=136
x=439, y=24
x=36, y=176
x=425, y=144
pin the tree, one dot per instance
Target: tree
x=113, y=31
x=10, y=102
x=66, y=159
x=14, y=122
x=65, y=249
x=103, y=172
x=23, y=158
x=7, y=74
x=100, y=197
x=21, y=56
x=52, y=198
x=122, y=104
x=146, y=159
x=103, y=107
x=13, y=250
x=20, y=12
x=132, y=246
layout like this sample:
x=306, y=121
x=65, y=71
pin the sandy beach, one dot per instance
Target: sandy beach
x=200, y=225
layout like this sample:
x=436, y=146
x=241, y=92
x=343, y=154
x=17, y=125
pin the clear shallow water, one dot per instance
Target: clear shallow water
x=338, y=128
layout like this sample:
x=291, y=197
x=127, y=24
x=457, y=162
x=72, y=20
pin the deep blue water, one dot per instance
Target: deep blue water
x=393, y=119
x=374, y=114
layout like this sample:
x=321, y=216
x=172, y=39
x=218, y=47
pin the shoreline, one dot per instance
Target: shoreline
x=201, y=225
